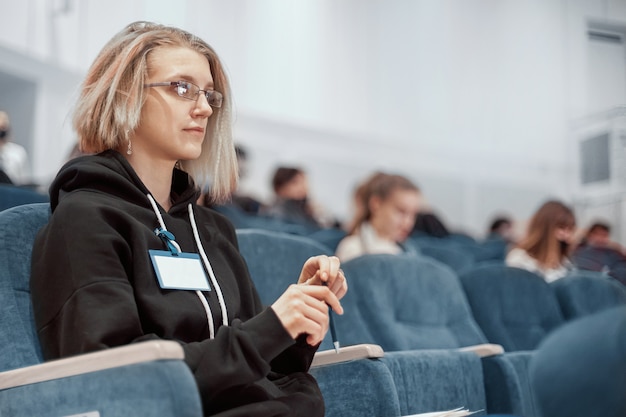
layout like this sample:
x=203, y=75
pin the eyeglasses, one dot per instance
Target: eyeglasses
x=190, y=91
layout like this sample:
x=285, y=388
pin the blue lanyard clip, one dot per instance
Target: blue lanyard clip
x=167, y=238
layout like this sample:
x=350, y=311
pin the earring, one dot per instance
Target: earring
x=129, y=151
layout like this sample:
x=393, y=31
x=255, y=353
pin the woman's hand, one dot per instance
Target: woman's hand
x=303, y=308
x=325, y=270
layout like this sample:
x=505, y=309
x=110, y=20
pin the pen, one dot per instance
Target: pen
x=331, y=320
x=333, y=332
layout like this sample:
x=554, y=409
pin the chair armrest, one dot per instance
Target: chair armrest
x=484, y=350
x=347, y=353
x=91, y=362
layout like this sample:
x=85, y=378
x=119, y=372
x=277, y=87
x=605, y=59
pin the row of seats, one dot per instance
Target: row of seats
x=489, y=302
x=151, y=379
x=417, y=373
x=416, y=307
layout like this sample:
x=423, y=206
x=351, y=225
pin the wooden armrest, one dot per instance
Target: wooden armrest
x=347, y=353
x=91, y=362
x=484, y=350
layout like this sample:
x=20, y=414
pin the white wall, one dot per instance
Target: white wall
x=472, y=99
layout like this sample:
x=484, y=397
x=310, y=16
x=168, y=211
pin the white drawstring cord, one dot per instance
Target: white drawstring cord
x=216, y=285
x=199, y=293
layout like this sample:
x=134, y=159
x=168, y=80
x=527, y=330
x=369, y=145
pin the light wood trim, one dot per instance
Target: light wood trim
x=153, y=350
x=484, y=350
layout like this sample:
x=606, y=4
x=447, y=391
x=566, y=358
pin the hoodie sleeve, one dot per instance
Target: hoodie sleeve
x=84, y=301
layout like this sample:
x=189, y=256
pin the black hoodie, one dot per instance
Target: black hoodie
x=93, y=286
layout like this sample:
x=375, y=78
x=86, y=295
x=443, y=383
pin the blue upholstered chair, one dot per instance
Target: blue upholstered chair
x=242, y=220
x=275, y=259
x=358, y=388
x=513, y=307
x=457, y=259
x=143, y=379
x=12, y=195
x=328, y=237
x=587, y=292
x=449, y=252
x=580, y=369
x=415, y=308
x=405, y=302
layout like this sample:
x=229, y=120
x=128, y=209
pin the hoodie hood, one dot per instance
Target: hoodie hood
x=109, y=172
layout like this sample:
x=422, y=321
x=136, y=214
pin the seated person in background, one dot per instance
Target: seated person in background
x=596, y=252
x=501, y=228
x=386, y=208
x=292, y=203
x=155, y=107
x=246, y=203
x=429, y=224
x=13, y=157
x=545, y=247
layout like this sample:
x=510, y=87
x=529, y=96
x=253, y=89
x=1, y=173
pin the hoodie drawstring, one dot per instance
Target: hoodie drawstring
x=207, y=265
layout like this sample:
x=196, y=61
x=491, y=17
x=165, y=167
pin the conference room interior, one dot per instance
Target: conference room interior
x=490, y=107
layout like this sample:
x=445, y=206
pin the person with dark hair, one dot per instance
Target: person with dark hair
x=386, y=206
x=501, y=227
x=597, y=252
x=292, y=203
x=128, y=255
x=246, y=203
x=545, y=248
x=429, y=224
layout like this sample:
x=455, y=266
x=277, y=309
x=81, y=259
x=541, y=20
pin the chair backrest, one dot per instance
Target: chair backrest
x=514, y=307
x=19, y=345
x=456, y=259
x=328, y=237
x=587, y=292
x=403, y=302
x=580, y=369
x=275, y=259
x=12, y=195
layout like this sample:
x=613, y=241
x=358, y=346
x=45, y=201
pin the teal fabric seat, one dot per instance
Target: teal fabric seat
x=580, y=369
x=164, y=388
x=275, y=259
x=160, y=387
x=514, y=307
x=588, y=292
x=406, y=302
x=415, y=308
x=12, y=195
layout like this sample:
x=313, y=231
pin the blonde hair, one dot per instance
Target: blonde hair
x=112, y=95
x=540, y=241
x=379, y=185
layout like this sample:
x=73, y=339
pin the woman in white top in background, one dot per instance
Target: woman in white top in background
x=545, y=248
x=386, y=207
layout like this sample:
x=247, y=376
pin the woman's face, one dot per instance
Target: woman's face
x=172, y=128
x=394, y=217
x=296, y=189
x=564, y=234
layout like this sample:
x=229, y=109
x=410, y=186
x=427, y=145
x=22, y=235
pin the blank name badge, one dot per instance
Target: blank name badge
x=182, y=271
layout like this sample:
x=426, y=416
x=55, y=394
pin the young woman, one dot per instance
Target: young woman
x=385, y=210
x=544, y=249
x=155, y=107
